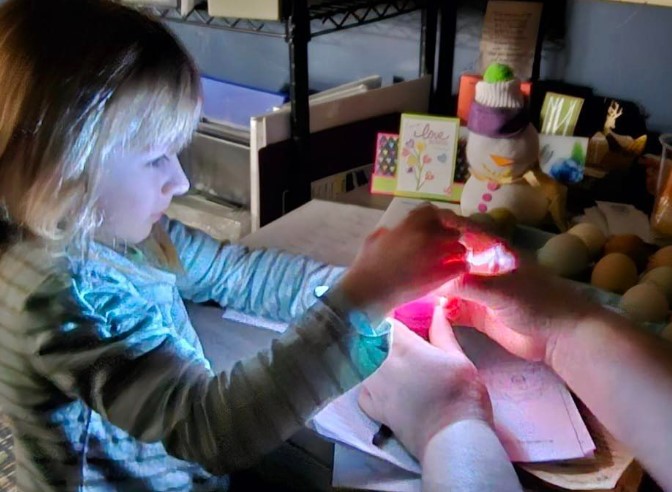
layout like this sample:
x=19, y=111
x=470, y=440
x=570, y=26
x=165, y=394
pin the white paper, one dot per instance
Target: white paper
x=535, y=416
x=399, y=208
x=510, y=35
x=623, y=218
x=356, y=470
x=258, y=321
x=344, y=422
x=326, y=231
x=593, y=216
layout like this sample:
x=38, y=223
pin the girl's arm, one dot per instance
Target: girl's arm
x=267, y=283
x=133, y=370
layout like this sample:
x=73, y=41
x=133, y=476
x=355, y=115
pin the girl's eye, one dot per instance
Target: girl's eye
x=157, y=162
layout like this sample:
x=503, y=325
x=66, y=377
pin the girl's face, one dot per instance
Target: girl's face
x=136, y=189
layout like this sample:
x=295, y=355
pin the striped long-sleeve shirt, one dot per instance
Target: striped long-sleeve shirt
x=105, y=384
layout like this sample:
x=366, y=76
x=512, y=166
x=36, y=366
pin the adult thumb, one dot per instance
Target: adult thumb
x=366, y=403
x=475, y=288
x=441, y=333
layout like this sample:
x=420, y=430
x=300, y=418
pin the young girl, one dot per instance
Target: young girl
x=102, y=377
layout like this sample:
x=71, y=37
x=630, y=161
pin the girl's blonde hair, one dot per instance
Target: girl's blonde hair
x=79, y=78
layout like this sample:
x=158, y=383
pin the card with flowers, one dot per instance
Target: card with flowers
x=427, y=153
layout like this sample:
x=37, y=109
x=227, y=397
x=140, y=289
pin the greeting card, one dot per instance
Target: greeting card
x=427, y=152
x=384, y=176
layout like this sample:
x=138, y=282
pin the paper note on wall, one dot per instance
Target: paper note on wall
x=509, y=36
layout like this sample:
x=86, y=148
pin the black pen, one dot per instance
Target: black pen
x=381, y=437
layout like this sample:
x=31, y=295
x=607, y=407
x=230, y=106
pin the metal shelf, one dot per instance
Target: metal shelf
x=339, y=15
x=325, y=17
x=301, y=22
x=200, y=17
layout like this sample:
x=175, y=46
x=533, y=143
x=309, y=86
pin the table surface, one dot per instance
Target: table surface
x=305, y=461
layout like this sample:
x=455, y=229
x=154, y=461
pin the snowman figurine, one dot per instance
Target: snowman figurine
x=503, y=152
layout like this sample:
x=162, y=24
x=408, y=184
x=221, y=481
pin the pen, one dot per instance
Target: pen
x=381, y=437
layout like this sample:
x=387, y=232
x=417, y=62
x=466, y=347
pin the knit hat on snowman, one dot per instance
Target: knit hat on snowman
x=502, y=144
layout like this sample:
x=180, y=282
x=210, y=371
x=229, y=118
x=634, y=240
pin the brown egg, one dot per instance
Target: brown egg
x=645, y=302
x=484, y=221
x=661, y=277
x=616, y=272
x=591, y=235
x=564, y=254
x=505, y=221
x=662, y=257
x=630, y=245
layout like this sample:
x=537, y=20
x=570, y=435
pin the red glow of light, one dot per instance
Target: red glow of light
x=417, y=316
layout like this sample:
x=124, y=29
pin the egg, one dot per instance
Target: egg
x=645, y=302
x=628, y=244
x=565, y=255
x=591, y=235
x=662, y=257
x=667, y=332
x=484, y=220
x=661, y=277
x=616, y=272
x=505, y=221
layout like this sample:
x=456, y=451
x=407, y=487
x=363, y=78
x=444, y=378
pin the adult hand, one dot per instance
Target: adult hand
x=525, y=311
x=423, y=388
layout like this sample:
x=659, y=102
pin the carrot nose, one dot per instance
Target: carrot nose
x=501, y=161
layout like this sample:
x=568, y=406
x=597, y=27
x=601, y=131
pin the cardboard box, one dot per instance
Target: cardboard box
x=246, y=9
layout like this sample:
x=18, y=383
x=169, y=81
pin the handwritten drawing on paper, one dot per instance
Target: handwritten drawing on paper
x=535, y=416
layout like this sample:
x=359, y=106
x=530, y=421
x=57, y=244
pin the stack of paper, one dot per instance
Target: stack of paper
x=618, y=218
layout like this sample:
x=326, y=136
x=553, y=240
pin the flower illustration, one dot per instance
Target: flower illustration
x=567, y=171
x=416, y=160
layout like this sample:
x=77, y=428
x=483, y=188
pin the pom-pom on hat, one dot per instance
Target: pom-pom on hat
x=499, y=88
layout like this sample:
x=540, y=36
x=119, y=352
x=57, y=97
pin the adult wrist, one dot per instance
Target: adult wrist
x=455, y=431
x=564, y=342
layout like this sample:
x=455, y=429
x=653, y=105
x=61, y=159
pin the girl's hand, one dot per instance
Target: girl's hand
x=398, y=265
